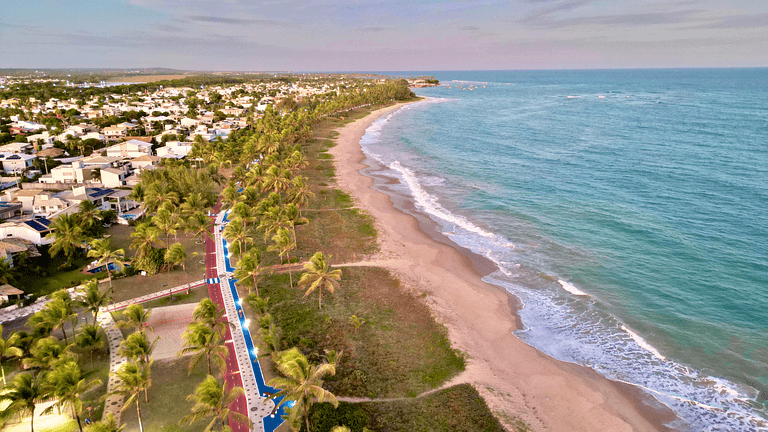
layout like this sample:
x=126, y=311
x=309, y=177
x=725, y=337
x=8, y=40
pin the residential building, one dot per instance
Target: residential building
x=174, y=149
x=113, y=177
x=16, y=162
x=130, y=149
x=47, y=205
x=76, y=172
x=33, y=230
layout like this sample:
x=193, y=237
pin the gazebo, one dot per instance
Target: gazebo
x=6, y=291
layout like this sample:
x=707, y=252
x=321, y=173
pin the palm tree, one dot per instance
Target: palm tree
x=132, y=380
x=249, y=270
x=273, y=219
x=293, y=216
x=200, y=225
x=243, y=212
x=69, y=383
x=234, y=232
x=204, y=342
x=101, y=249
x=301, y=192
x=109, y=424
x=275, y=179
x=8, y=350
x=192, y=203
x=137, y=347
x=158, y=193
x=6, y=272
x=136, y=317
x=92, y=299
x=45, y=353
x=208, y=313
x=89, y=214
x=176, y=255
x=318, y=276
x=165, y=222
x=212, y=400
x=284, y=244
x=24, y=393
x=41, y=325
x=301, y=383
x=91, y=338
x=229, y=195
x=144, y=238
x=138, y=193
x=270, y=341
x=67, y=236
x=60, y=312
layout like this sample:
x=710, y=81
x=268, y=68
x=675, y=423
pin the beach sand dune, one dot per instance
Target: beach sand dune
x=515, y=379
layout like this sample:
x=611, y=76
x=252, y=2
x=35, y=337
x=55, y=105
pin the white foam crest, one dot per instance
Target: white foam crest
x=429, y=204
x=570, y=332
x=571, y=289
x=643, y=344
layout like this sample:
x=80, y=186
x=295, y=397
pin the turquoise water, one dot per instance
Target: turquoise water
x=627, y=209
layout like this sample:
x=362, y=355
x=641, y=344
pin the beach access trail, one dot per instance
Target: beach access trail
x=514, y=378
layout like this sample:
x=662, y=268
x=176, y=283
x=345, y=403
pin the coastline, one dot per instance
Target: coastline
x=513, y=377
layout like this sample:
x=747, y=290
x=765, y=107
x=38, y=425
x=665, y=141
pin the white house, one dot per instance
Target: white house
x=16, y=147
x=46, y=205
x=32, y=230
x=76, y=172
x=130, y=149
x=16, y=162
x=113, y=177
x=174, y=149
x=114, y=133
x=47, y=139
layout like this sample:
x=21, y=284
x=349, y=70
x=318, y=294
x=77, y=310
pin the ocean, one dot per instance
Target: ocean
x=626, y=209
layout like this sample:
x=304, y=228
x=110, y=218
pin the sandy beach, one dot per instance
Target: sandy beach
x=516, y=379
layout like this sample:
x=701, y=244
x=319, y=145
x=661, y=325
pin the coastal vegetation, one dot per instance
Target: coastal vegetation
x=324, y=330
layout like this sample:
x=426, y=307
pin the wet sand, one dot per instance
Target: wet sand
x=515, y=379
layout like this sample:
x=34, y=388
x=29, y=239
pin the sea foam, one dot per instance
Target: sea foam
x=571, y=289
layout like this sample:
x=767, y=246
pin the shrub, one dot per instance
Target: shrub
x=323, y=417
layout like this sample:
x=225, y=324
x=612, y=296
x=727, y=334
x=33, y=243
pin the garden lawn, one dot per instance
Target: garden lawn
x=171, y=384
x=51, y=278
x=137, y=285
x=400, y=350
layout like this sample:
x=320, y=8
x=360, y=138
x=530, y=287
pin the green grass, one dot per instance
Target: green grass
x=455, y=409
x=400, y=350
x=136, y=286
x=167, y=398
x=51, y=278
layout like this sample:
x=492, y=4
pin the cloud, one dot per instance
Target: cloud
x=560, y=6
x=739, y=22
x=372, y=29
x=238, y=21
x=632, y=19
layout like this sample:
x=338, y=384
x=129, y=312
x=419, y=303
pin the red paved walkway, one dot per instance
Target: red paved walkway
x=232, y=377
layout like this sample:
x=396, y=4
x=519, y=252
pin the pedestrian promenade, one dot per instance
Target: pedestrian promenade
x=154, y=296
x=113, y=403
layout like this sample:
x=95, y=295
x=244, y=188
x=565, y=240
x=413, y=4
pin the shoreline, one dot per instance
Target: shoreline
x=513, y=377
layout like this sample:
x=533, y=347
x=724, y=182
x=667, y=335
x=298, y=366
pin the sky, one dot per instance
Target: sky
x=379, y=35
